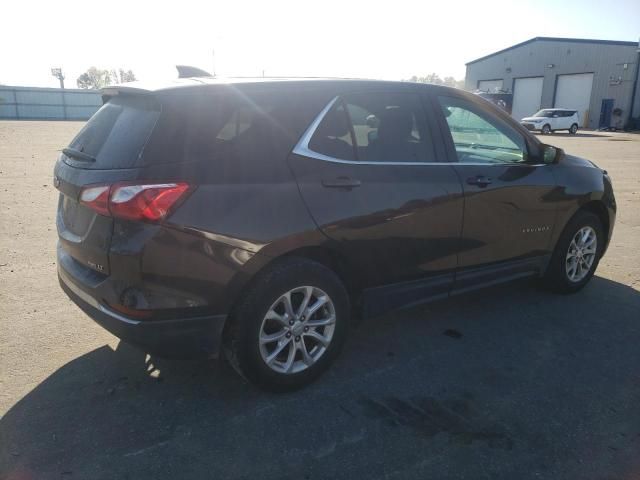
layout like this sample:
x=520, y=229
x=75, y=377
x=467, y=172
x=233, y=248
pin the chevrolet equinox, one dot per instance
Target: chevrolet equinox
x=255, y=217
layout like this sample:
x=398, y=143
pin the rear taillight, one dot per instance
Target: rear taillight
x=145, y=202
x=96, y=198
x=149, y=202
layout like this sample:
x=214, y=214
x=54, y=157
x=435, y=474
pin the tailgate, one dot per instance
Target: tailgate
x=82, y=233
x=107, y=150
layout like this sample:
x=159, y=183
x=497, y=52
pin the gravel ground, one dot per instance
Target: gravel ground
x=509, y=383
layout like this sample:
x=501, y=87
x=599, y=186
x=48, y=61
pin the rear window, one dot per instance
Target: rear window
x=196, y=126
x=115, y=136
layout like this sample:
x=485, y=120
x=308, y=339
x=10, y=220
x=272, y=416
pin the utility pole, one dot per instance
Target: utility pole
x=57, y=72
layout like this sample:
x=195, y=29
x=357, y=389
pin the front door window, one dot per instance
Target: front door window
x=478, y=138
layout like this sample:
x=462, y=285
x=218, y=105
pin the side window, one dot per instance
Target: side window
x=220, y=126
x=389, y=127
x=238, y=123
x=376, y=127
x=333, y=137
x=478, y=137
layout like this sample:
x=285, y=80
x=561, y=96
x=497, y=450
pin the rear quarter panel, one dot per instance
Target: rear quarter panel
x=245, y=211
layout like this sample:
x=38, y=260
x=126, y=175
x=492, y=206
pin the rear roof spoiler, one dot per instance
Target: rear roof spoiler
x=185, y=71
x=112, y=91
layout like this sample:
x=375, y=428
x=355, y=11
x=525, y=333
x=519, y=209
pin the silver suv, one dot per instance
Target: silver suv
x=551, y=119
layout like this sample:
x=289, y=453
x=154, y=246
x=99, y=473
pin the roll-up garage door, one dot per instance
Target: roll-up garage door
x=527, y=94
x=490, y=86
x=574, y=92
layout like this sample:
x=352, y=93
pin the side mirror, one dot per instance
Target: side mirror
x=550, y=154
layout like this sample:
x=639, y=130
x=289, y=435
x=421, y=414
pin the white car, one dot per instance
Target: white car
x=549, y=120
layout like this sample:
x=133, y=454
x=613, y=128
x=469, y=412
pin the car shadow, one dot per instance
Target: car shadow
x=426, y=383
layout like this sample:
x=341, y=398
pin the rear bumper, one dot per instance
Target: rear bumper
x=185, y=337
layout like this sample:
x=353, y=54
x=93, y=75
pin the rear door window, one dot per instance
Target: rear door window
x=383, y=127
x=334, y=136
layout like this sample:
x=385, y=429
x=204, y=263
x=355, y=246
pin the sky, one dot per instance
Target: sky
x=368, y=39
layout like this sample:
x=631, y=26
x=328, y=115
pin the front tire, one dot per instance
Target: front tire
x=289, y=326
x=546, y=129
x=577, y=254
x=574, y=129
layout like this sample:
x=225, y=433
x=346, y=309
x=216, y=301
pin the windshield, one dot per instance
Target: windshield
x=544, y=113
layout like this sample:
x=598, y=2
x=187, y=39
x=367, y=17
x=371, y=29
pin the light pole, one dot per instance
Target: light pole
x=57, y=72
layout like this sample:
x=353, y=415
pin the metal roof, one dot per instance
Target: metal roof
x=557, y=39
x=212, y=82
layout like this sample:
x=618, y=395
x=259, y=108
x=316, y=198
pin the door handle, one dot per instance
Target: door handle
x=479, y=180
x=341, y=182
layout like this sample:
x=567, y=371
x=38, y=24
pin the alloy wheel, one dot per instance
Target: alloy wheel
x=581, y=254
x=297, y=330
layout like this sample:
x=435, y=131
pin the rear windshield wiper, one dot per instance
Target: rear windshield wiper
x=78, y=155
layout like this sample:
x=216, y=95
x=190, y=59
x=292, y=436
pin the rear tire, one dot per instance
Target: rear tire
x=304, y=344
x=546, y=129
x=572, y=265
x=574, y=129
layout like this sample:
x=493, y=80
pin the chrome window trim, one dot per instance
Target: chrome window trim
x=302, y=149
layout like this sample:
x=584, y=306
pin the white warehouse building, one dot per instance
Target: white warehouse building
x=598, y=78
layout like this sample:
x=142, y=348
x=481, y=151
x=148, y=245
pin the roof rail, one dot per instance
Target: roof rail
x=185, y=71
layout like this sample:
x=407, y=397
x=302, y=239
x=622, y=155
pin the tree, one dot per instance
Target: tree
x=435, y=79
x=97, y=78
x=122, y=76
x=430, y=78
x=452, y=82
x=94, y=78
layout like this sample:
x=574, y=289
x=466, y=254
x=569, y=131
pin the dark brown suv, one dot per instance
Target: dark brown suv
x=255, y=217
